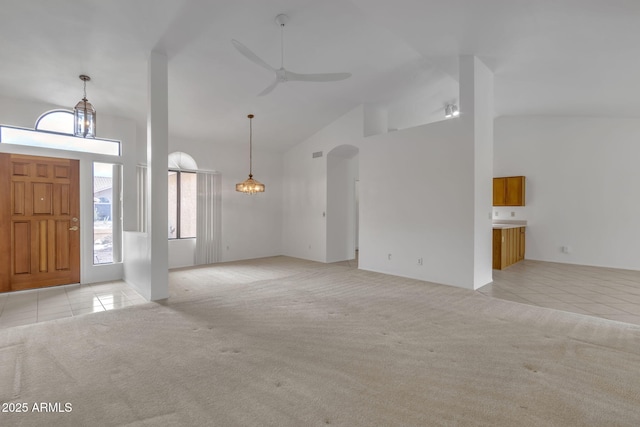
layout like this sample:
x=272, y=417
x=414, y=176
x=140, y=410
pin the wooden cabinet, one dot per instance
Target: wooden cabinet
x=509, y=191
x=508, y=246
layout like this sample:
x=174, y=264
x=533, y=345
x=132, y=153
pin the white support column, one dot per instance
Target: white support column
x=157, y=163
x=477, y=111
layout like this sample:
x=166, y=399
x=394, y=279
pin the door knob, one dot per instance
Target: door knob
x=74, y=219
x=74, y=228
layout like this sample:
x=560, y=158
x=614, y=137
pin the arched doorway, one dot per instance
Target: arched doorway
x=342, y=203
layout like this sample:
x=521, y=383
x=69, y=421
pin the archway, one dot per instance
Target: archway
x=342, y=203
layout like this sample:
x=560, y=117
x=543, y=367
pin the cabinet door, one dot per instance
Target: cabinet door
x=514, y=189
x=497, y=249
x=514, y=247
x=504, y=255
x=522, y=243
x=511, y=254
x=499, y=189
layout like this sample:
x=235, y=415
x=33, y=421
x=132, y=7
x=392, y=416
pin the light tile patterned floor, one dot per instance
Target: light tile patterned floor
x=25, y=307
x=602, y=292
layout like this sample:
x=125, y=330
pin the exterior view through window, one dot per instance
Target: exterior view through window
x=103, y=213
x=182, y=204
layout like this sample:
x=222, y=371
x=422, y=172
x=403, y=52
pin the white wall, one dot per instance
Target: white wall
x=251, y=224
x=416, y=201
x=182, y=253
x=583, y=186
x=476, y=116
x=305, y=186
x=137, y=269
x=418, y=196
x=425, y=104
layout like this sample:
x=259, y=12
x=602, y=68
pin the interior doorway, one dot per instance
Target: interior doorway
x=39, y=222
x=342, y=203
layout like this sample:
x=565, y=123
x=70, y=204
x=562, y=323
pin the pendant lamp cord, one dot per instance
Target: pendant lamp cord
x=84, y=118
x=281, y=45
x=250, y=146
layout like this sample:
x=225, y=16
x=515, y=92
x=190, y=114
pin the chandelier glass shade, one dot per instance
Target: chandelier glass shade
x=250, y=185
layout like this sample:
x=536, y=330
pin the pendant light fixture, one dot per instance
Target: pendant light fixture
x=250, y=186
x=84, y=115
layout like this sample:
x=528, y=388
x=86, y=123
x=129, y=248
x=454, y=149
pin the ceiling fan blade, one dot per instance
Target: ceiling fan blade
x=251, y=56
x=269, y=88
x=322, y=77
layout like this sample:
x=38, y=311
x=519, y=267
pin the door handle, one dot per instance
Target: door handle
x=74, y=228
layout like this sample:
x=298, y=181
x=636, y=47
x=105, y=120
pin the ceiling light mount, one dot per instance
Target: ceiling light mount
x=282, y=20
x=84, y=115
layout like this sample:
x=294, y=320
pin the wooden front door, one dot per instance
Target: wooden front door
x=39, y=222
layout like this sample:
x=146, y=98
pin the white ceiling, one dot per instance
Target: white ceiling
x=573, y=57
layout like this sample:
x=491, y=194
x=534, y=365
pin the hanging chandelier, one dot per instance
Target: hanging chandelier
x=250, y=186
x=84, y=115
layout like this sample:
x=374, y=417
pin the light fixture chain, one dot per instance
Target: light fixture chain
x=250, y=146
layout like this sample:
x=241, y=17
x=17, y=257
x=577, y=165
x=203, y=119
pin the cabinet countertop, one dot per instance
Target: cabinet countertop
x=505, y=226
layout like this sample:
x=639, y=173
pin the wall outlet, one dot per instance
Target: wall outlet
x=566, y=249
x=419, y=261
x=513, y=214
x=389, y=257
x=495, y=214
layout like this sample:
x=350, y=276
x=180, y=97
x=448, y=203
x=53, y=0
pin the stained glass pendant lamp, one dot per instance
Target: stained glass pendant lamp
x=250, y=185
x=84, y=115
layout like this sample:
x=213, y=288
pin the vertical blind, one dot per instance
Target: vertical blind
x=209, y=224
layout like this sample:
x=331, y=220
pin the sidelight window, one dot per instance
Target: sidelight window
x=106, y=213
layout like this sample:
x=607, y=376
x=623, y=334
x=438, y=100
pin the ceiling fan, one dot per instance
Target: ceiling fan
x=283, y=75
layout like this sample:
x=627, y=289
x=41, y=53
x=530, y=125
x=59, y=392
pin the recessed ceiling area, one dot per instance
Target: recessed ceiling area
x=575, y=57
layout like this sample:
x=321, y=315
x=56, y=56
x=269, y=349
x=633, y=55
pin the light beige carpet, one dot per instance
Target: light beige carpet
x=283, y=342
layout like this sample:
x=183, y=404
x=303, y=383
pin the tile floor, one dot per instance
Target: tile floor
x=602, y=292
x=33, y=306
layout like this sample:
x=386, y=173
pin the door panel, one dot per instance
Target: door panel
x=39, y=198
x=21, y=253
x=62, y=245
x=18, y=196
x=20, y=169
x=62, y=199
x=43, y=245
x=42, y=203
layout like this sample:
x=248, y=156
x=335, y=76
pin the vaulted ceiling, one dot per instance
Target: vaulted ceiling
x=562, y=57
